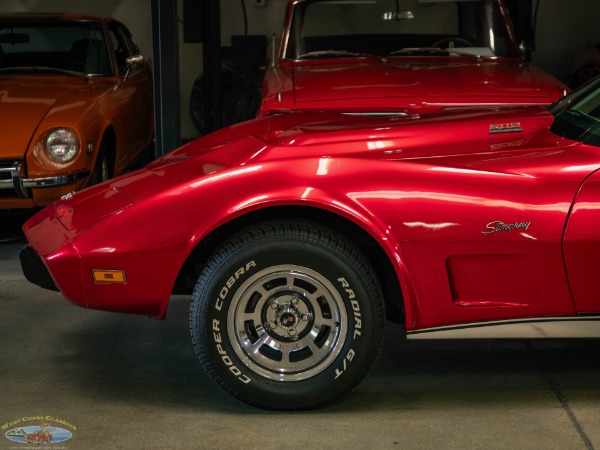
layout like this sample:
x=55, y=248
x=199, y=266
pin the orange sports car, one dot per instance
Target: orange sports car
x=75, y=105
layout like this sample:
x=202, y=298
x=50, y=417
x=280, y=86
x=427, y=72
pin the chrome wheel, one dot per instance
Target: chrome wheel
x=287, y=315
x=287, y=323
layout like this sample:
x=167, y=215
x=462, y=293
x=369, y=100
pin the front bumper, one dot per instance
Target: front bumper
x=11, y=177
x=35, y=270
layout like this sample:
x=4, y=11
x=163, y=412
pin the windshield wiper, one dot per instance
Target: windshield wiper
x=433, y=50
x=323, y=54
x=72, y=73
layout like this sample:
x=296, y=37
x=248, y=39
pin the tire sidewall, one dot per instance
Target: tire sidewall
x=346, y=276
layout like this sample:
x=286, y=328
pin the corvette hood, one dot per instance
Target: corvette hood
x=244, y=149
x=245, y=146
x=419, y=86
x=432, y=136
x=23, y=105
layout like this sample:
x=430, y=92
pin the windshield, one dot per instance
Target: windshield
x=577, y=116
x=339, y=28
x=64, y=46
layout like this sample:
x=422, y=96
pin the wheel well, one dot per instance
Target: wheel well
x=373, y=251
x=109, y=141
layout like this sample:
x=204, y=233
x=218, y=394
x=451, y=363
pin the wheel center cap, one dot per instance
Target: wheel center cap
x=287, y=319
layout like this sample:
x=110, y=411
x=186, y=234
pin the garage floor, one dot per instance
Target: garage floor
x=127, y=382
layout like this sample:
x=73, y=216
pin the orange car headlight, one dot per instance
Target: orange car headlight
x=62, y=145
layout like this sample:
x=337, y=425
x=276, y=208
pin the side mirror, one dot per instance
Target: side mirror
x=525, y=49
x=133, y=61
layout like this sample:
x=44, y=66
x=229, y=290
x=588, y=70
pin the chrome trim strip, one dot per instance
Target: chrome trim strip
x=376, y=114
x=55, y=181
x=6, y=184
x=469, y=106
x=531, y=328
x=15, y=179
x=20, y=184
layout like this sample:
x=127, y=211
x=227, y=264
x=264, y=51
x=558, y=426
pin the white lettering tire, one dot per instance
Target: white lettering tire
x=287, y=315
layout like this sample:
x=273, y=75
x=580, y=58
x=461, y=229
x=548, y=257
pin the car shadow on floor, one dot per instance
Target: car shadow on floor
x=11, y=222
x=128, y=358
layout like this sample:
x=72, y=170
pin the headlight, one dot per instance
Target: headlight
x=62, y=145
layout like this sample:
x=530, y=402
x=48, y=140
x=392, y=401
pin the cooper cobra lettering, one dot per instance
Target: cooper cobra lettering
x=224, y=357
x=215, y=324
x=230, y=282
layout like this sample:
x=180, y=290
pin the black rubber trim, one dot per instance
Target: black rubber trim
x=35, y=270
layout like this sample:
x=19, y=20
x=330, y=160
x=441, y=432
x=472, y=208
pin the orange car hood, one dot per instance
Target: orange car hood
x=23, y=105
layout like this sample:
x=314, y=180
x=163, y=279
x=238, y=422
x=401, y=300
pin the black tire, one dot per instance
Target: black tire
x=240, y=96
x=287, y=316
x=102, y=167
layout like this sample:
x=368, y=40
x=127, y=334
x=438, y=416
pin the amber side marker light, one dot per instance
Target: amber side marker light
x=108, y=276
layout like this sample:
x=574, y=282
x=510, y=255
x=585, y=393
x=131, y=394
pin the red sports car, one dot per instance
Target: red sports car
x=38, y=437
x=300, y=233
x=401, y=57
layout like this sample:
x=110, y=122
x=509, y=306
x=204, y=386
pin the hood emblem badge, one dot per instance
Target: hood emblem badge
x=68, y=196
x=510, y=127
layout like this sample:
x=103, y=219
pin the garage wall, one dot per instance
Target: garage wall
x=566, y=32
x=565, y=28
x=267, y=19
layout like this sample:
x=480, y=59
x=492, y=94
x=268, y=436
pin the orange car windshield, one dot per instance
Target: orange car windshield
x=77, y=46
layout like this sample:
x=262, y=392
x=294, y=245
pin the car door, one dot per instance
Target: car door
x=582, y=247
x=134, y=116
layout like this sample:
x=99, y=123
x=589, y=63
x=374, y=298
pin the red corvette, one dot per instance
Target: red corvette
x=299, y=234
x=401, y=57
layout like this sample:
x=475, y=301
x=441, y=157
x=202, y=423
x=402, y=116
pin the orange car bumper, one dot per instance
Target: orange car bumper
x=19, y=192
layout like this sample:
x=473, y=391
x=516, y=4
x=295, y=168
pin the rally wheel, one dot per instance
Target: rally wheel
x=287, y=315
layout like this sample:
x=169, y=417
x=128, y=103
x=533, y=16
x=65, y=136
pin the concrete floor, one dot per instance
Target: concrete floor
x=128, y=382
